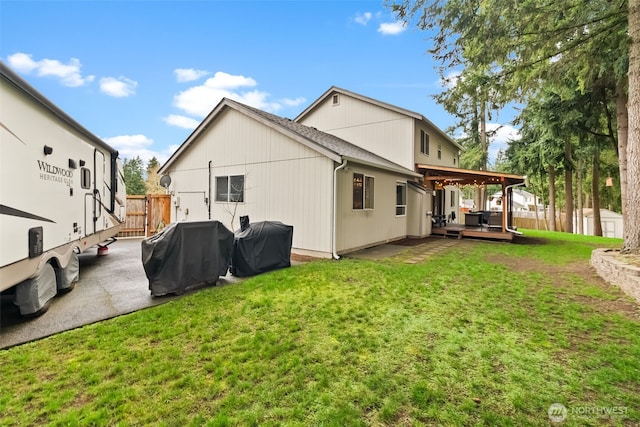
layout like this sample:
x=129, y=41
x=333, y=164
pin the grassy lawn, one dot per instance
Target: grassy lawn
x=483, y=334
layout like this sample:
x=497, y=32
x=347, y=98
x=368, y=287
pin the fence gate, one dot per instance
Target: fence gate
x=158, y=212
x=136, y=219
x=146, y=215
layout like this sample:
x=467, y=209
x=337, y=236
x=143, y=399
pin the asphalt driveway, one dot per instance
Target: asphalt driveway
x=109, y=286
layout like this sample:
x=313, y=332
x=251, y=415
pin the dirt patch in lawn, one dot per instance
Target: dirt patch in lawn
x=303, y=258
x=559, y=277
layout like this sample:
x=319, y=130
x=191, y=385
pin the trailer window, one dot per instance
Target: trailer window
x=85, y=178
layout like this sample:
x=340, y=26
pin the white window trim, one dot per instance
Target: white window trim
x=244, y=186
x=404, y=184
x=364, y=186
x=428, y=137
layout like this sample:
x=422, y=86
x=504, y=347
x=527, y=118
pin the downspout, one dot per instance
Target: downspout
x=209, y=189
x=335, y=208
x=507, y=188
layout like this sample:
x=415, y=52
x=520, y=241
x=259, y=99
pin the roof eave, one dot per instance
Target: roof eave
x=224, y=103
x=398, y=170
x=193, y=136
x=379, y=103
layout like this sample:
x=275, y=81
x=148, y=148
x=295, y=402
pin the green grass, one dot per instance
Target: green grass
x=484, y=334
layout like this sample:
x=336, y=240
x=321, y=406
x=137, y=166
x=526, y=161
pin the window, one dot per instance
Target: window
x=85, y=178
x=401, y=198
x=439, y=151
x=230, y=188
x=363, y=189
x=335, y=99
x=424, y=142
x=453, y=199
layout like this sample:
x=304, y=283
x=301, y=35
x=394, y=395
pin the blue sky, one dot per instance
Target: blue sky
x=142, y=74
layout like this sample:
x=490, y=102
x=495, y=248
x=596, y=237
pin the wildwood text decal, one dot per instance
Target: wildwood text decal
x=54, y=173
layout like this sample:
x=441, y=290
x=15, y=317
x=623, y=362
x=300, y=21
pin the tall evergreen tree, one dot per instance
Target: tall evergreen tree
x=527, y=44
x=153, y=178
x=133, y=178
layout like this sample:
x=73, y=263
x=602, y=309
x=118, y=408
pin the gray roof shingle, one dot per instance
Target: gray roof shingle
x=330, y=142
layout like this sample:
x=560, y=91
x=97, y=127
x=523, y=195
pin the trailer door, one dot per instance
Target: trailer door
x=93, y=203
x=98, y=191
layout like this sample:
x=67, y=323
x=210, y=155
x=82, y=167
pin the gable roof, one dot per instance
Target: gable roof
x=335, y=148
x=395, y=108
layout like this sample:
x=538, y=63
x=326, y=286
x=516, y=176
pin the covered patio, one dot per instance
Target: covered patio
x=495, y=225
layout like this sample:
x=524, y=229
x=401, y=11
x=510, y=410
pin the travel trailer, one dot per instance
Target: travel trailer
x=61, y=192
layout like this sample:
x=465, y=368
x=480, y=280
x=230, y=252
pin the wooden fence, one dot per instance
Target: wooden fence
x=146, y=215
x=522, y=219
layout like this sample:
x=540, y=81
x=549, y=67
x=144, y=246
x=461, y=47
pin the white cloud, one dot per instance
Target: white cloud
x=363, y=18
x=22, y=62
x=131, y=146
x=500, y=140
x=189, y=74
x=392, y=28
x=128, y=142
x=181, y=121
x=69, y=74
x=450, y=80
x=199, y=100
x=293, y=102
x=120, y=87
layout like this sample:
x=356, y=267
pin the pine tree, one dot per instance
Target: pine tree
x=133, y=176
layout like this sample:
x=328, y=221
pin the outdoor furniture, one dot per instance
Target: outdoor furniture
x=439, y=220
x=495, y=220
x=473, y=219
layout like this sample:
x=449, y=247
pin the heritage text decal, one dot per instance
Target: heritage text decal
x=55, y=174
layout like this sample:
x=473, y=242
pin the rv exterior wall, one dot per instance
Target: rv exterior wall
x=49, y=190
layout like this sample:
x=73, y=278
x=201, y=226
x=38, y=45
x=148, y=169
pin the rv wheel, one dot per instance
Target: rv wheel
x=33, y=296
x=67, y=277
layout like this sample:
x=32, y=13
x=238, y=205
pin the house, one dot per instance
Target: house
x=402, y=136
x=243, y=161
x=522, y=201
x=349, y=172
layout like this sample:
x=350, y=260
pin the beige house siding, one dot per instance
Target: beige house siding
x=449, y=152
x=284, y=180
x=357, y=229
x=379, y=130
x=418, y=212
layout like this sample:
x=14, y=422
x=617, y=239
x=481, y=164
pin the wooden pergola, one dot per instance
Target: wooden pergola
x=443, y=176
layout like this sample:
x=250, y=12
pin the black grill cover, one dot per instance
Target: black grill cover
x=261, y=247
x=186, y=254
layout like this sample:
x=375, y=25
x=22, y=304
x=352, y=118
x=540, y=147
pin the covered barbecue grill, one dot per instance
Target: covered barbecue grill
x=260, y=247
x=186, y=254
